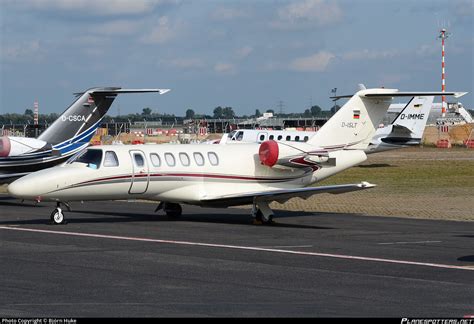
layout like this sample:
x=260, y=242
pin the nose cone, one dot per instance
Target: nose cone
x=24, y=188
x=36, y=184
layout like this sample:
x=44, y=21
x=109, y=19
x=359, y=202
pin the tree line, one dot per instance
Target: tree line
x=27, y=118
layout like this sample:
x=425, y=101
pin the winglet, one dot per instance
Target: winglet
x=367, y=185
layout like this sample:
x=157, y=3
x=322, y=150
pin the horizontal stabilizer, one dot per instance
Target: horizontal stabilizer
x=116, y=90
x=414, y=94
x=369, y=94
x=282, y=195
x=160, y=91
x=401, y=131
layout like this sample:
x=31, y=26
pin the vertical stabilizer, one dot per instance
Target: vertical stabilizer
x=415, y=115
x=80, y=120
x=355, y=123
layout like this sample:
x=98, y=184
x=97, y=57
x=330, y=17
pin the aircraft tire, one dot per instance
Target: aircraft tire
x=173, y=210
x=260, y=219
x=57, y=217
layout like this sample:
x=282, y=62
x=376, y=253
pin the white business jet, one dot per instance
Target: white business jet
x=217, y=175
x=405, y=130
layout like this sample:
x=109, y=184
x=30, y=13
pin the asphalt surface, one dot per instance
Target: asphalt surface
x=120, y=259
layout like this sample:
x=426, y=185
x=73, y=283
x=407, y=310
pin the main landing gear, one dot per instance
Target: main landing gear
x=172, y=210
x=262, y=213
x=57, y=216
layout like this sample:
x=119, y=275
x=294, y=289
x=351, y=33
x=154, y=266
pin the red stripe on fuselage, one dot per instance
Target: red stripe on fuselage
x=195, y=175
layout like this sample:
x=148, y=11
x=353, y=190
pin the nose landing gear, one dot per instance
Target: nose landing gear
x=57, y=216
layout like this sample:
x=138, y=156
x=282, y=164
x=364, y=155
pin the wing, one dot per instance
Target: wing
x=281, y=195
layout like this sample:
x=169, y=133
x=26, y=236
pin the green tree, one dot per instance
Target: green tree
x=190, y=114
x=335, y=108
x=228, y=112
x=146, y=112
x=257, y=113
x=29, y=112
x=218, y=112
x=316, y=110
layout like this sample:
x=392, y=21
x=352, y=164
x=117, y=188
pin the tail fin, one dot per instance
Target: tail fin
x=80, y=120
x=355, y=123
x=414, y=116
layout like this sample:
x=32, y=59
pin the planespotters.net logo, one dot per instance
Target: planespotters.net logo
x=468, y=319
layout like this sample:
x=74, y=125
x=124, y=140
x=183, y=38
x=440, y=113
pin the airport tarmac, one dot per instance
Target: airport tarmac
x=119, y=259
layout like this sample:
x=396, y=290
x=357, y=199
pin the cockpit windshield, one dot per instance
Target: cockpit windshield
x=231, y=134
x=91, y=157
x=236, y=135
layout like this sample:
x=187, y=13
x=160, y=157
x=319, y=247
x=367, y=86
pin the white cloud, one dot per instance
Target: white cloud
x=243, y=52
x=94, y=7
x=366, y=54
x=464, y=8
x=315, y=63
x=225, y=68
x=184, y=63
x=25, y=51
x=307, y=13
x=161, y=33
x=118, y=28
x=224, y=13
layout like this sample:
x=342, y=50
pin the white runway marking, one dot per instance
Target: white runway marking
x=418, y=242
x=286, y=246
x=237, y=247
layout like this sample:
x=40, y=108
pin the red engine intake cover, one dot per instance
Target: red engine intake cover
x=268, y=153
x=5, y=146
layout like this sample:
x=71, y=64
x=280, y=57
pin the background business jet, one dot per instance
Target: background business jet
x=66, y=136
x=405, y=130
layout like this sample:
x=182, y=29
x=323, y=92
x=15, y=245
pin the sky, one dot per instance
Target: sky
x=246, y=54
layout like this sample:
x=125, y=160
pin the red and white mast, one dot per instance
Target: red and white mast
x=443, y=35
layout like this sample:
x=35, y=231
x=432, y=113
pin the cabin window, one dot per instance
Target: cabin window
x=199, y=159
x=139, y=161
x=240, y=135
x=92, y=158
x=306, y=138
x=297, y=138
x=155, y=160
x=288, y=138
x=280, y=137
x=271, y=137
x=213, y=159
x=170, y=160
x=184, y=158
x=110, y=159
x=262, y=137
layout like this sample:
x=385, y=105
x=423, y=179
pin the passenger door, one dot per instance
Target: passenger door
x=140, y=172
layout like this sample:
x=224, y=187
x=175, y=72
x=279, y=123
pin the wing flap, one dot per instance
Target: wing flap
x=282, y=195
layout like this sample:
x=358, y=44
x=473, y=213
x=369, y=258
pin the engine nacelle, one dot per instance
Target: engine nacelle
x=294, y=155
x=268, y=153
x=15, y=146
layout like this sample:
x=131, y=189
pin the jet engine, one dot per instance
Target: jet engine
x=293, y=155
x=15, y=146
